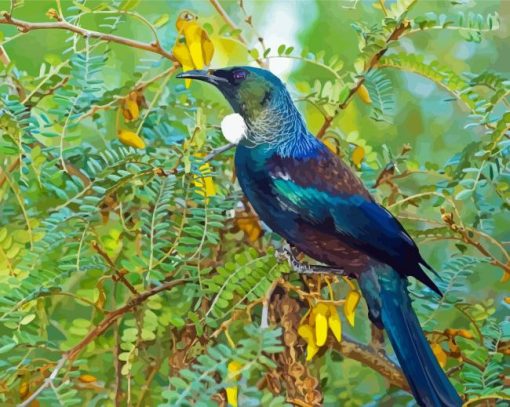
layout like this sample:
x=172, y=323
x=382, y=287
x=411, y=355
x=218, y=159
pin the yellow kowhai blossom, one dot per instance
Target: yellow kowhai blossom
x=233, y=369
x=364, y=95
x=315, y=325
x=357, y=155
x=205, y=183
x=350, y=304
x=193, y=48
x=441, y=355
x=130, y=138
x=130, y=108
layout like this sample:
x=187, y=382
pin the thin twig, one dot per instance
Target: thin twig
x=118, y=366
x=119, y=274
x=249, y=20
x=221, y=11
x=110, y=319
x=115, y=315
x=154, y=369
x=47, y=383
x=218, y=151
x=4, y=57
x=26, y=26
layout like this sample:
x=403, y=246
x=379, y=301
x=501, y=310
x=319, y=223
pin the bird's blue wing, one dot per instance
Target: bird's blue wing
x=323, y=191
x=360, y=221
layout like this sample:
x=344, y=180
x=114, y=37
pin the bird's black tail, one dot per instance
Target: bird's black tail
x=389, y=304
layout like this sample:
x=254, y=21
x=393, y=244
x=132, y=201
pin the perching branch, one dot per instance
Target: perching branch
x=119, y=274
x=371, y=358
x=26, y=26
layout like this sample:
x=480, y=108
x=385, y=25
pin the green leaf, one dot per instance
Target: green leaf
x=161, y=20
x=129, y=4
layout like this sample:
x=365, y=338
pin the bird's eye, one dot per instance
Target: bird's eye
x=239, y=75
x=266, y=98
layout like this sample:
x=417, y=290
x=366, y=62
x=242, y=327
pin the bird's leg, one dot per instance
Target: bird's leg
x=285, y=253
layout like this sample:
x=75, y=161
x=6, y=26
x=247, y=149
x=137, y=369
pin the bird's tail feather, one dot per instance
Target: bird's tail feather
x=390, y=306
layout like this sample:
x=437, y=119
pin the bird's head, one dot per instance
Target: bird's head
x=256, y=94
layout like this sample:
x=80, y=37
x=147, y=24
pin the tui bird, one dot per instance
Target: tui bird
x=310, y=197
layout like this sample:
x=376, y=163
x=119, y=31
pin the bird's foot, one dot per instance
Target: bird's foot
x=285, y=254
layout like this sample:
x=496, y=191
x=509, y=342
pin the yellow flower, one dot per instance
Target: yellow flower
x=205, y=184
x=357, y=155
x=314, y=327
x=364, y=95
x=87, y=378
x=182, y=54
x=350, y=304
x=233, y=369
x=319, y=318
x=306, y=332
x=130, y=109
x=441, y=355
x=331, y=144
x=130, y=139
x=196, y=50
x=334, y=322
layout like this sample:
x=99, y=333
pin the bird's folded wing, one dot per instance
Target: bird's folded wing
x=322, y=190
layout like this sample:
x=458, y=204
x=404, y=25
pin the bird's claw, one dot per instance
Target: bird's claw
x=285, y=254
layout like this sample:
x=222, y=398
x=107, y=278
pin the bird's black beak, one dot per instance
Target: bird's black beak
x=203, y=75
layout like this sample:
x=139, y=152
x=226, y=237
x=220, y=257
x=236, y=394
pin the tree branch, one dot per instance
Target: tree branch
x=108, y=321
x=119, y=312
x=221, y=11
x=26, y=26
x=366, y=355
x=47, y=383
x=218, y=151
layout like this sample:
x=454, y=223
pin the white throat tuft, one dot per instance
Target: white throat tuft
x=234, y=128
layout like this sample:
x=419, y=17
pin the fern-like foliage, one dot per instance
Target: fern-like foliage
x=382, y=95
x=243, y=278
x=471, y=26
x=197, y=385
x=453, y=280
x=438, y=73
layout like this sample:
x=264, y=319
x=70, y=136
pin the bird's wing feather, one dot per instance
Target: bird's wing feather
x=322, y=188
x=361, y=222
